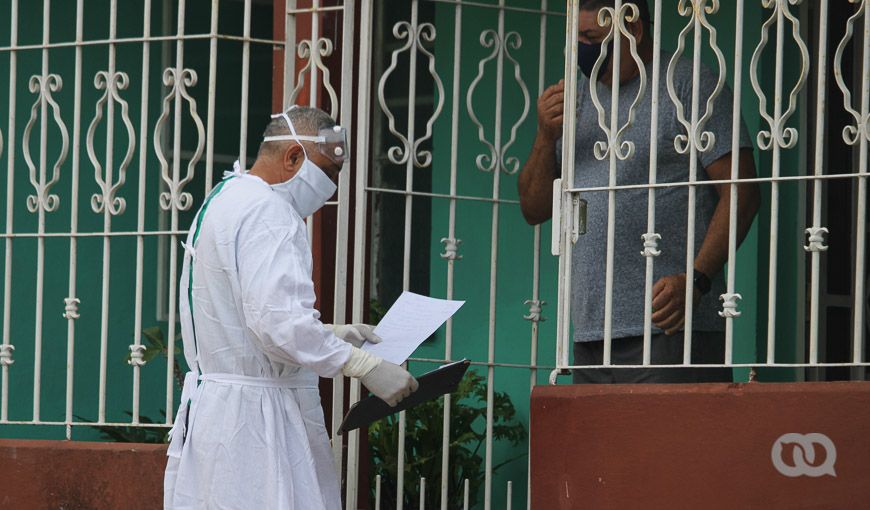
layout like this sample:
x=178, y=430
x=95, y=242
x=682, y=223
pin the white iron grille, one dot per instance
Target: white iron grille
x=776, y=138
x=497, y=137
x=156, y=137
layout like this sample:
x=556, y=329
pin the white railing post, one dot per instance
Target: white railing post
x=816, y=232
x=212, y=93
x=861, y=210
x=137, y=346
x=616, y=67
x=563, y=313
x=42, y=201
x=729, y=299
x=361, y=166
x=451, y=243
x=71, y=312
x=343, y=224
x=651, y=238
x=7, y=349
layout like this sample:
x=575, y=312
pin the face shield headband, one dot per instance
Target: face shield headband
x=331, y=142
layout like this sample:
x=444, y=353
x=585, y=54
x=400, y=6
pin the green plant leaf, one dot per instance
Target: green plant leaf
x=423, y=444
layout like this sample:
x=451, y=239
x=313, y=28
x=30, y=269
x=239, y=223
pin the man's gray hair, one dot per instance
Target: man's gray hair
x=306, y=121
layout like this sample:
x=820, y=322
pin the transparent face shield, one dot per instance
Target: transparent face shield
x=330, y=142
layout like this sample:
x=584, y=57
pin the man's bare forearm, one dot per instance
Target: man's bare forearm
x=536, y=181
x=714, y=250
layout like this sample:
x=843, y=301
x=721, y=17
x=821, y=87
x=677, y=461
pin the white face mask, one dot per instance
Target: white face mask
x=310, y=188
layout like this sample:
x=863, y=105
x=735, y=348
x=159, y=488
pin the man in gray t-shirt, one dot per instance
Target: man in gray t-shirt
x=629, y=270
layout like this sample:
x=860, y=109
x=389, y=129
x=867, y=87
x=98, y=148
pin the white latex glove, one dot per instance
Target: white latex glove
x=390, y=382
x=355, y=334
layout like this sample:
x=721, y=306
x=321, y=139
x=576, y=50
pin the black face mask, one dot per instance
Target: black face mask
x=587, y=54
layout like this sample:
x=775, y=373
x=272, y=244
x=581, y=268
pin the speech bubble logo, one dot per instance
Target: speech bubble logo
x=803, y=458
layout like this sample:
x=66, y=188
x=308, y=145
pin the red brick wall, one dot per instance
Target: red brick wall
x=700, y=446
x=42, y=475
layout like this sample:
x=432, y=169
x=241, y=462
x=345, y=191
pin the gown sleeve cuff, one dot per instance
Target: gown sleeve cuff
x=360, y=363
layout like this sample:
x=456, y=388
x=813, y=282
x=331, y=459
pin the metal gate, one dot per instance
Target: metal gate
x=115, y=125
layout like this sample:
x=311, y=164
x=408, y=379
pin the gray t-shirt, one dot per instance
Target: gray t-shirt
x=629, y=271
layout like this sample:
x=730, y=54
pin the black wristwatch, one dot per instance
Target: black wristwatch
x=702, y=282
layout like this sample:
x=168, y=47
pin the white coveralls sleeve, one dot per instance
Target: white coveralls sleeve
x=274, y=267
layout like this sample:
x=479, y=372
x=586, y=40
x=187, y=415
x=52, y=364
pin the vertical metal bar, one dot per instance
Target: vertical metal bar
x=818, y=170
x=107, y=214
x=343, y=226
x=651, y=252
x=140, y=218
x=162, y=219
x=340, y=283
x=611, y=195
x=173, y=243
x=377, y=488
x=409, y=165
x=801, y=211
x=212, y=93
x=338, y=316
x=861, y=213
x=465, y=495
x=289, y=52
x=246, y=66
x=40, y=247
x=735, y=174
x=10, y=199
x=451, y=235
x=493, y=263
x=510, y=490
x=409, y=187
x=361, y=167
x=536, y=257
x=422, y=493
x=74, y=220
x=315, y=55
x=693, y=176
x=774, y=196
x=569, y=127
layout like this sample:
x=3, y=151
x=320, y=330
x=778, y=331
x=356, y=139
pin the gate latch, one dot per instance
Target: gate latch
x=569, y=216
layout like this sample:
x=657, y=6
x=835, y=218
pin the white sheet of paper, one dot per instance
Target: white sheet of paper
x=411, y=320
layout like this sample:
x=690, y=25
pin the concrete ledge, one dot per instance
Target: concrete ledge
x=81, y=475
x=701, y=446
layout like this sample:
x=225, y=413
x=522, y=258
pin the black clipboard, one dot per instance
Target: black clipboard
x=432, y=385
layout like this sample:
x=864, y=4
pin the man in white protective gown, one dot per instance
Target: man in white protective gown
x=250, y=433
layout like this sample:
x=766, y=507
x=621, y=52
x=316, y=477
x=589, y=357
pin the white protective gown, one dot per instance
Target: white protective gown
x=255, y=435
